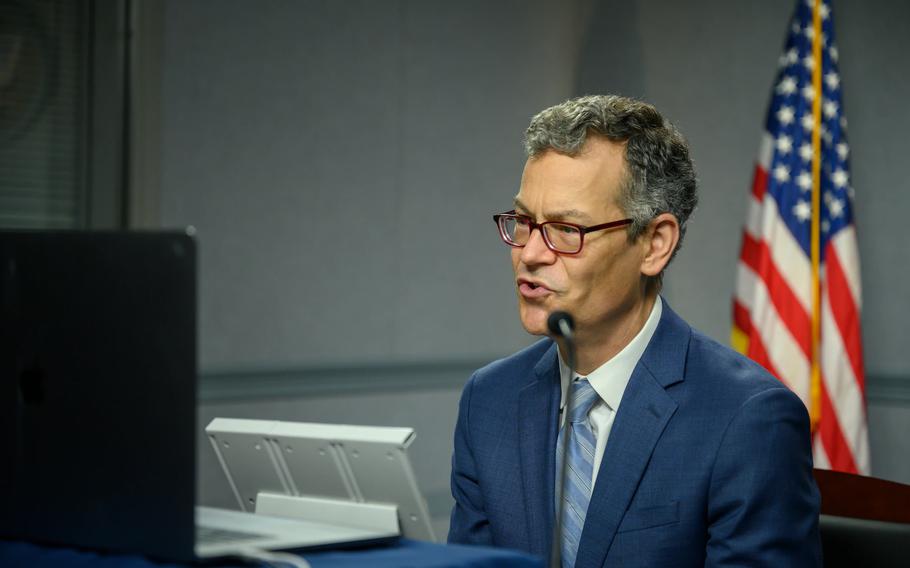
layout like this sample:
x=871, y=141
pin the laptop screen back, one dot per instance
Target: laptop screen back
x=98, y=399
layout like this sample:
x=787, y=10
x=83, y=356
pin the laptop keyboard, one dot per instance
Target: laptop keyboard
x=211, y=535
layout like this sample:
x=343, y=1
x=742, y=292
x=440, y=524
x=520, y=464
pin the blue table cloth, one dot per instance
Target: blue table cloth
x=404, y=553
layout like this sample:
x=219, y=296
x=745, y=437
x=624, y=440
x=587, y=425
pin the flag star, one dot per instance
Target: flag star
x=809, y=62
x=843, y=150
x=784, y=144
x=850, y=193
x=824, y=11
x=782, y=173
x=826, y=136
x=828, y=196
x=836, y=207
x=839, y=178
x=843, y=122
x=785, y=115
x=829, y=107
x=802, y=210
x=787, y=86
x=808, y=93
x=805, y=151
x=804, y=181
x=832, y=79
x=826, y=226
x=832, y=51
x=808, y=122
x=792, y=55
x=809, y=32
x=795, y=28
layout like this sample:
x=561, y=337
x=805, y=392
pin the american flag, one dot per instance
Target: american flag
x=795, y=311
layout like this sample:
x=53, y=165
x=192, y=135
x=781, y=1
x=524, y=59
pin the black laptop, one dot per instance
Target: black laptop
x=98, y=401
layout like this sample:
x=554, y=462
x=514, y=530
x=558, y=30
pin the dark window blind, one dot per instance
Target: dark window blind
x=44, y=113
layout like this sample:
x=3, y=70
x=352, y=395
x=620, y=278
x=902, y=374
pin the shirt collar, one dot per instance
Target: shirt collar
x=610, y=379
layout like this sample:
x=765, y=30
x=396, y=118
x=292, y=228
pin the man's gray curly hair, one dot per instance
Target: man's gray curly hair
x=660, y=174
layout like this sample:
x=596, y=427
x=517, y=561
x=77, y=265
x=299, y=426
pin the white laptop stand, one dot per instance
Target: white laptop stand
x=357, y=476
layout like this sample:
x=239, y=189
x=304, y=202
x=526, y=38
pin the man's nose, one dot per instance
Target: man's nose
x=536, y=250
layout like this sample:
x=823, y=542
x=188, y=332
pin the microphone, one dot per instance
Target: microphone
x=562, y=327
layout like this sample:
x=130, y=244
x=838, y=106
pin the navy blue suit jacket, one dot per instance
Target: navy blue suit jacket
x=708, y=461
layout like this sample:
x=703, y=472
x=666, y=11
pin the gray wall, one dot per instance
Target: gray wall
x=341, y=161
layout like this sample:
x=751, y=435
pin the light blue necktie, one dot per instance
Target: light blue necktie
x=577, y=490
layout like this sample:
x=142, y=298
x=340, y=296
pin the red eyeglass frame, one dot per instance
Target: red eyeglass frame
x=582, y=230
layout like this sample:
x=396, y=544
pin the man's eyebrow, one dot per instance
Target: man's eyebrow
x=562, y=215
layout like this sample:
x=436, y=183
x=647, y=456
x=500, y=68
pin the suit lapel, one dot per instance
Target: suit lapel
x=644, y=412
x=537, y=447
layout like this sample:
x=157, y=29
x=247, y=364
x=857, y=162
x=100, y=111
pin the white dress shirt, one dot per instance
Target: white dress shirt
x=609, y=382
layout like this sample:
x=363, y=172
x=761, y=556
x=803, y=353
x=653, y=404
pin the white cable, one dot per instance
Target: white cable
x=271, y=558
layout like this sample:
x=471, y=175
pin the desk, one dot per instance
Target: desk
x=405, y=553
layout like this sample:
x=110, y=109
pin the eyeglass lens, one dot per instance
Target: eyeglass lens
x=562, y=237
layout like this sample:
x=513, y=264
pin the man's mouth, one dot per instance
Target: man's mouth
x=533, y=290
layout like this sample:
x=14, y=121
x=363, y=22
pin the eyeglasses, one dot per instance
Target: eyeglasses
x=559, y=236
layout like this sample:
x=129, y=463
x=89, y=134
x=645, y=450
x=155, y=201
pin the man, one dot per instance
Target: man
x=680, y=452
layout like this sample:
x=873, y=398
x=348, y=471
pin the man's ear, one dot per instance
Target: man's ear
x=659, y=242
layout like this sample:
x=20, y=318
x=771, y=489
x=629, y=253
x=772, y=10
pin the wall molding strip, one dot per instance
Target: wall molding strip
x=888, y=389
x=323, y=380
x=326, y=379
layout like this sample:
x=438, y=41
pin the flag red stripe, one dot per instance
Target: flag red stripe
x=757, y=256
x=759, y=183
x=846, y=314
x=756, y=350
x=836, y=447
x=741, y=318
